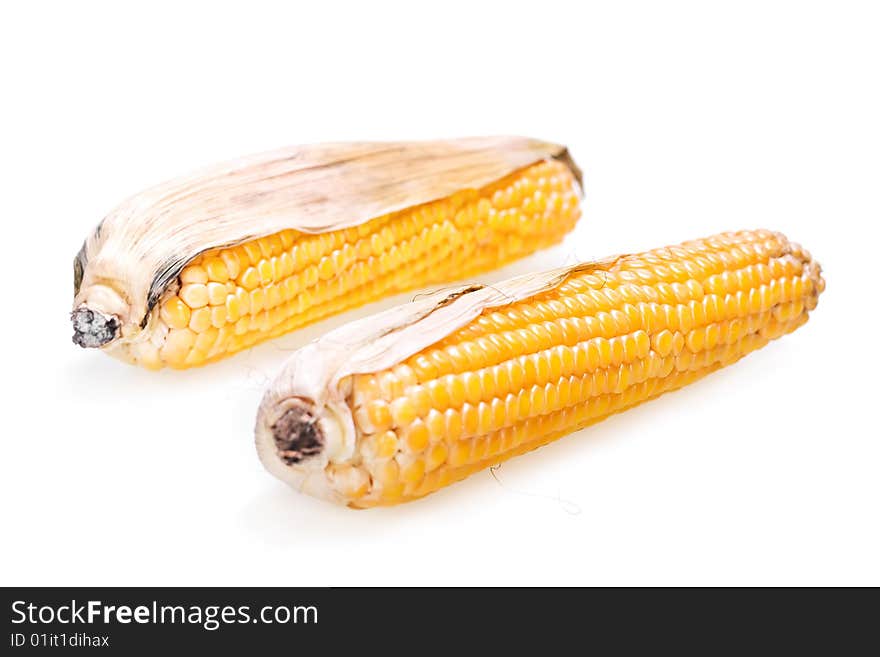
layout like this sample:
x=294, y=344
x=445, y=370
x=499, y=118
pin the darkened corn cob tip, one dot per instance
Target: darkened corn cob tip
x=296, y=433
x=297, y=439
x=92, y=328
x=99, y=316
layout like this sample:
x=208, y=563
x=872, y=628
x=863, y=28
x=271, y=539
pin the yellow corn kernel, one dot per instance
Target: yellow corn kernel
x=417, y=436
x=385, y=473
x=249, y=279
x=175, y=313
x=218, y=316
x=379, y=414
x=177, y=345
x=216, y=269
x=217, y=293
x=200, y=319
x=351, y=481
x=436, y=457
x=413, y=472
x=383, y=445
x=194, y=295
x=194, y=273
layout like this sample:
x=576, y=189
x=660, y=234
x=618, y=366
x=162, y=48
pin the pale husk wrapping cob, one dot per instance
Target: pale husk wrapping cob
x=200, y=267
x=393, y=407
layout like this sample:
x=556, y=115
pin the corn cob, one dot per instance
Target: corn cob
x=200, y=268
x=394, y=407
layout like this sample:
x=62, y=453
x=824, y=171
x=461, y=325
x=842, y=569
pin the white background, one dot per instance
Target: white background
x=687, y=118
